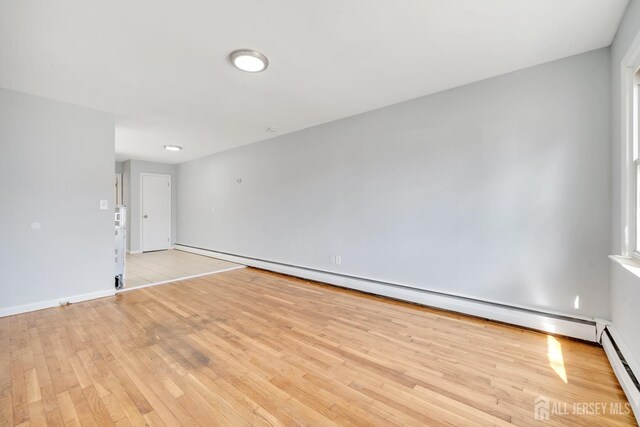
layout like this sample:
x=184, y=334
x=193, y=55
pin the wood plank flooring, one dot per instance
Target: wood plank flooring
x=248, y=347
x=162, y=266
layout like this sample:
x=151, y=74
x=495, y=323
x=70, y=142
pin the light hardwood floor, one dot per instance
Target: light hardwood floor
x=162, y=266
x=248, y=347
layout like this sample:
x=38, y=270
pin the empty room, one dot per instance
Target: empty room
x=340, y=212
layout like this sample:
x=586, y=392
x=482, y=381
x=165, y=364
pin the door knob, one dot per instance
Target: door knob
x=145, y=216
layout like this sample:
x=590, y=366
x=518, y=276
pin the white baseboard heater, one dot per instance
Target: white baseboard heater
x=581, y=328
x=624, y=365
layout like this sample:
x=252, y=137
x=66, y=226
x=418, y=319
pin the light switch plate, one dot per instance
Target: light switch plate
x=103, y=205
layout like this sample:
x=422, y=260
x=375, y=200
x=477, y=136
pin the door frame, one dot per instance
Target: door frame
x=120, y=194
x=142, y=174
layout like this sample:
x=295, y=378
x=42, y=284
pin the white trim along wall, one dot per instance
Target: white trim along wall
x=39, y=305
x=629, y=116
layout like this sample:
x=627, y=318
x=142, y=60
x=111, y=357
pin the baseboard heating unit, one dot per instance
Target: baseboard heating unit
x=624, y=366
x=555, y=323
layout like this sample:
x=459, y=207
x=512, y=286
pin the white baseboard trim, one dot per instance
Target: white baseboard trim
x=529, y=318
x=625, y=380
x=165, y=282
x=141, y=251
x=18, y=309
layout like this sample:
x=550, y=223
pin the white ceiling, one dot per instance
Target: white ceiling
x=161, y=65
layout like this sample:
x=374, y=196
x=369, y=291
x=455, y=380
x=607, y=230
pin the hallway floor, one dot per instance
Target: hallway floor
x=162, y=266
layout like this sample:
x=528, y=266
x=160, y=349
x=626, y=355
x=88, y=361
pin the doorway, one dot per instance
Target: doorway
x=156, y=212
x=118, y=190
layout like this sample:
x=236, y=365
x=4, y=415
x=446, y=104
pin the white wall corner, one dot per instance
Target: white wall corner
x=601, y=324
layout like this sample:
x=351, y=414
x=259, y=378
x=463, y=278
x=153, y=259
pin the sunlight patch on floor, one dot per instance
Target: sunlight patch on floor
x=556, y=361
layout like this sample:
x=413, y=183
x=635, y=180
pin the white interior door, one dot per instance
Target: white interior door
x=156, y=212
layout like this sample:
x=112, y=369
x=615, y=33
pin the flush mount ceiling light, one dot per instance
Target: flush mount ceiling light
x=249, y=60
x=172, y=147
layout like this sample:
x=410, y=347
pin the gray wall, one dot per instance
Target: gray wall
x=118, y=167
x=56, y=165
x=131, y=196
x=625, y=286
x=498, y=190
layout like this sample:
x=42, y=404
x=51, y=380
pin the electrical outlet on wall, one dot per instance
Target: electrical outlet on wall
x=336, y=259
